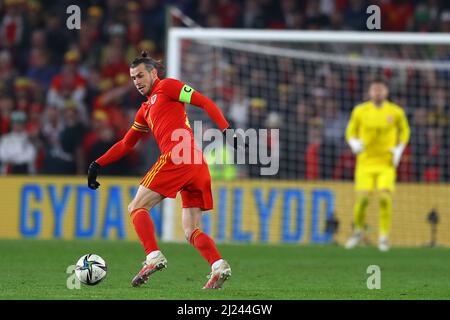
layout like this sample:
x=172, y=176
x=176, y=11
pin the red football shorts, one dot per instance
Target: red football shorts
x=193, y=181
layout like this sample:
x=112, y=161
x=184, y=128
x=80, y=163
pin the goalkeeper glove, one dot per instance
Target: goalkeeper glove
x=356, y=145
x=92, y=175
x=397, y=154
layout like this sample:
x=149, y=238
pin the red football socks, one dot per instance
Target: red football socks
x=205, y=245
x=145, y=229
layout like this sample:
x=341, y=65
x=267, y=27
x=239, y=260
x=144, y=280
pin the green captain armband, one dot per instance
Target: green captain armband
x=185, y=94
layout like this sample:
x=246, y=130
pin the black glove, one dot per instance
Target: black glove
x=92, y=175
x=235, y=140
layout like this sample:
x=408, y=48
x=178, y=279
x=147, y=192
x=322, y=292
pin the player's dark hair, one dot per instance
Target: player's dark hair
x=148, y=61
x=379, y=80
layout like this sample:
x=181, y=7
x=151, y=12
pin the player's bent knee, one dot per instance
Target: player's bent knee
x=133, y=206
x=363, y=198
x=187, y=233
x=385, y=197
x=130, y=208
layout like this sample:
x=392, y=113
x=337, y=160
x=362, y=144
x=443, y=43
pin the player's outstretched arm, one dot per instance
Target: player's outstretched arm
x=179, y=91
x=211, y=109
x=116, y=152
x=230, y=134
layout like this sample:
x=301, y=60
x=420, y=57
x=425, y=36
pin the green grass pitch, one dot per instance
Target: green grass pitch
x=32, y=269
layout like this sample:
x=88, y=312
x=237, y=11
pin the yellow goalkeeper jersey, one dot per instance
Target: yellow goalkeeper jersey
x=380, y=129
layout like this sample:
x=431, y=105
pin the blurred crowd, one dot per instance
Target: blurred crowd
x=311, y=101
x=396, y=15
x=66, y=96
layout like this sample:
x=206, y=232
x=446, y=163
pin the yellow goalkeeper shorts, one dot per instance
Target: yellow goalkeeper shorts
x=375, y=178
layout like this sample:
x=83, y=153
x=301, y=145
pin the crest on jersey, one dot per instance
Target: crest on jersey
x=390, y=119
x=153, y=99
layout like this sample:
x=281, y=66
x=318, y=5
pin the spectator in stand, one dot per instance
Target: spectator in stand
x=252, y=15
x=6, y=107
x=153, y=17
x=445, y=21
x=397, y=15
x=68, y=85
x=239, y=108
x=111, y=99
x=17, y=153
x=312, y=155
x=50, y=133
x=345, y=166
x=40, y=69
x=297, y=140
x=23, y=94
x=336, y=21
x=228, y=11
x=333, y=137
x=438, y=114
x=314, y=18
x=135, y=29
x=57, y=35
x=434, y=160
x=258, y=111
x=113, y=55
x=34, y=14
x=89, y=44
x=7, y=72
x=203, y=10
x=12, y=27
x=105, y=139
x=65, y=154
x=290, y=15
x=425, y=17
x=420, y=139
x=71, y=138
x=353, y=15
x=99, y=119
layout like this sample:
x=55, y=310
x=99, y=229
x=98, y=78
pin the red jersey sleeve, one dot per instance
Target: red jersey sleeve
x=139, y=123
x=180, y=91
x=124, y=146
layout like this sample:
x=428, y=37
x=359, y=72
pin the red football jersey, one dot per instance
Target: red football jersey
x=165, y=111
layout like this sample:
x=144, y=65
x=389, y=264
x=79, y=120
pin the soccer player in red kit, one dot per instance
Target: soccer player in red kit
x=162, y=113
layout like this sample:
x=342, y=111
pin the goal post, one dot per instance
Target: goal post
x=176, y=35
x=306, y=83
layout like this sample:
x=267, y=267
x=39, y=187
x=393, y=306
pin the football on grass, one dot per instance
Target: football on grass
x=90, y=269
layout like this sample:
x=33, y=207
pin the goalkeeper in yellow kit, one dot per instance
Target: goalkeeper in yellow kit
x=377, y=133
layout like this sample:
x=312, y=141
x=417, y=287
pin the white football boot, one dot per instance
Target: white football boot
x=383, y=243
x=353, y=241
x=220, y=272
x=155, y=261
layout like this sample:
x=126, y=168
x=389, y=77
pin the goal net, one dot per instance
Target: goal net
x=305, y=84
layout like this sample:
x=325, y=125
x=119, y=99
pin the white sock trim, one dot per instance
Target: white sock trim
x=216, y=264
x=153, y=254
